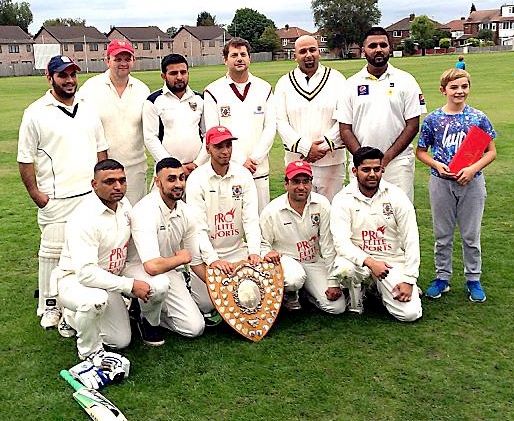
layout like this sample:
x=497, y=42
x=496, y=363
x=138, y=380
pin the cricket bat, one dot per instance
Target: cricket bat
x=97, y=406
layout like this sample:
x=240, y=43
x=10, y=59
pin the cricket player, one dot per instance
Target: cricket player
x=60, y=140
x=119, y=98
x=244, y=104
x=381, y=107
x=173, y=116
x=295, y=230
x=165, y=234
x=376, y=239
x=306, y=99
x=225, y=199
x=90, y=279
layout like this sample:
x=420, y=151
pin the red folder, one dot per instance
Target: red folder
x=470, y=150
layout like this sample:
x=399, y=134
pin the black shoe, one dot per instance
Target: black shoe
x=151, y=335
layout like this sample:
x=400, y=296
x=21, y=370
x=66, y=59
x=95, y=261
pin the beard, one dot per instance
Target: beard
x=61, y=93
x=177, y=89
x=373, y=60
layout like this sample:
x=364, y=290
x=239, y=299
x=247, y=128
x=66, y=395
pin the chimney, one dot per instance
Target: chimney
x=462, y=18
x=287, y=27
x=411, y=17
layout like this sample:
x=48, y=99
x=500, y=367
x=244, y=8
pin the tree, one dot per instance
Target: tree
x=15, y=14
x=269, y=40
x=205, y=19
x=422, y=30
x=485, y=34
x=344, y=22
x=171, y=31
x=440, y=33
x=410, y=46
x=65, y=22
x=250, y=25
x=473, y=8
x=445, y=42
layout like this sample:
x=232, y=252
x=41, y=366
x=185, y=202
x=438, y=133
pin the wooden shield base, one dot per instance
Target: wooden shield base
x=250, y=315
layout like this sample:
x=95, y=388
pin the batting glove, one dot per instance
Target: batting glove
x=89, y=375
x=114, y=365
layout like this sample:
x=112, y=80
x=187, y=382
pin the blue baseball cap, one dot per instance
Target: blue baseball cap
x=59, y=63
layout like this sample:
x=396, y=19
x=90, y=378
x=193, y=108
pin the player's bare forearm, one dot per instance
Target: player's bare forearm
x=28, y=176
x=348, y=137
x=100, y=156
x=199, y=270
x=403, y=140
x=164, y=264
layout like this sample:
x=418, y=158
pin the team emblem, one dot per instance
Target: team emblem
x=421, y=99
x=362, y=90
x=387, y=209
x=391, y=84
x=248, y=299
x=315, y=218
x=225, y=111
x=237, y=192
x=259, y=110
x=193, y=105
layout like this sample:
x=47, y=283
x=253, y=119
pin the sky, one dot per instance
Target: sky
x=106, y=13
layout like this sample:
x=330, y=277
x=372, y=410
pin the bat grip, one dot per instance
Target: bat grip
x=65, y=374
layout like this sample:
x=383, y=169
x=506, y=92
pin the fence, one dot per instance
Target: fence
x=27, y=69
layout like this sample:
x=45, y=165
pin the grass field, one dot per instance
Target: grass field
x=454, y=364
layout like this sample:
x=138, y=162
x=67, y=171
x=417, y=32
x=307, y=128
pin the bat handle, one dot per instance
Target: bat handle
x=65, y=374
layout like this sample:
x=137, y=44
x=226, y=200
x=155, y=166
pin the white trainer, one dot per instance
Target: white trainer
x=50, y=318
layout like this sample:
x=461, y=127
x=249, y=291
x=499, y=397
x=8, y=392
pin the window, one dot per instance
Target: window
x=284, y=41
x=169, y=45
x=511, y=9
x=14, y=48
x=135, y=46
x=0, y=50
x=159, y=45
x=93, y=47
x=78, y=47
x=105, y=47
x=185, y=44
x=212, y=43
x=323, y=39
x=397, y=34
x=146, y=45
x=65, y=47
x=29, y=48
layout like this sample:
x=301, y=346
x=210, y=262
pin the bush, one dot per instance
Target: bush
x=409, y=46
x=474, y=42
x=429, y=43
x=445, y=42
x=489, y=43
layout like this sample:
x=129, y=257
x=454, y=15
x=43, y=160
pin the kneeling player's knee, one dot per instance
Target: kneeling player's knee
x=410, y=314
x=121, y=340
x=94, y=303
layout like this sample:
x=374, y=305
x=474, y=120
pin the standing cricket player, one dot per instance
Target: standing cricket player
x=244, y=104
x=306, y=100
x=376, y=239
x=381, y=107
x=173, y=116
x=295, y=231
x=90, y=278
x=119, y=99
x=61, y=138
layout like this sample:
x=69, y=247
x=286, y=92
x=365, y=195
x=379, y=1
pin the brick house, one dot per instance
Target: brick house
x=288, y=35
x=148, y=41
x=80, y=43
x=15, y=46
x=199, y=41
x=400, y=30
x=499, y=21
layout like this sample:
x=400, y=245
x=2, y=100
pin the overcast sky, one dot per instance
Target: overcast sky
x=106, y=13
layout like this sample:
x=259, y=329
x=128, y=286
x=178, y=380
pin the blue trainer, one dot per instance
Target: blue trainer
x=437, y=287
x=476, y=293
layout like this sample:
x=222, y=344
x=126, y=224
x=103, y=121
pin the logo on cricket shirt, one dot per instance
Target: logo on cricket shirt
x=307, y=250
x=224, y=225
x=387, y=209
x=375, y=240
x=117, y=258
x=315, y=218
x=237, y=192
x=259, y=110
x=225, y=111
x=193, y=105
x=421, y=99
x=362, y=90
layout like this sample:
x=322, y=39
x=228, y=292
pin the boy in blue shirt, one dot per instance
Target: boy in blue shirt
x=455, y=197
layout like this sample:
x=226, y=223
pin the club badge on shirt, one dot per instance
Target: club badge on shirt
x=315, y=218
x=258, y=110
x=387, y=209
x=237, y=191
x=225, y=111
x=193, y=105
x=421, y=99
x=362, y=90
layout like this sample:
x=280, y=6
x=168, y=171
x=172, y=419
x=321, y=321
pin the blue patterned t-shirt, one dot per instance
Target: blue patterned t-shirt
x=443, y=133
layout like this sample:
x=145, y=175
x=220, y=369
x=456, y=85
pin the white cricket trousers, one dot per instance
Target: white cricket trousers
x=352, y=276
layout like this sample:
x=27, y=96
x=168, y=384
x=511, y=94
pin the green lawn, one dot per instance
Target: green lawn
x=454, y=364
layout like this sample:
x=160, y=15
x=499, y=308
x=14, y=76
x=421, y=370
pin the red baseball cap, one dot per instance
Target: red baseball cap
x=298, y=167
x=117, y=46
x=218, y=134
